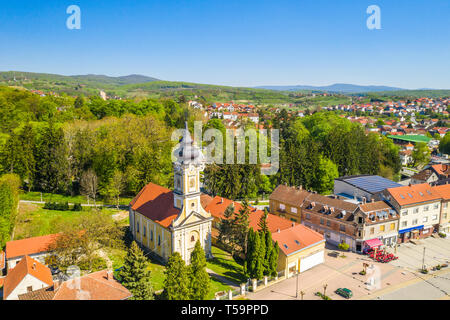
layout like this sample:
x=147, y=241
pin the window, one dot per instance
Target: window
x=426, y=208
x=308, y=216
x=294, y=210
x=342, y=228
x=436, y=206
x=434, y=217
x=382, y=228
x=322, y=221
x=392, y=226
x=329, y=223
x=372, y=230
x=425, y=219
x=159, y=240
x=415, y=221
x=29, y=289
x=192, y=239
x=445, y=205
x=151, y=235
x=425, y=231
x=416, y=210
x=137, y=227
x=282, y=207
x=445, y=215
x=405, y=213
x=360, y=220
x=404, y=223
x=145, y=231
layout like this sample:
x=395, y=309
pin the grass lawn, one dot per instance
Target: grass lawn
x=52, y=197
x=224, y=265
x=33, y=220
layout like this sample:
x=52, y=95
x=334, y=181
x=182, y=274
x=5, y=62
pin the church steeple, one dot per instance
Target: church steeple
x=189, y=162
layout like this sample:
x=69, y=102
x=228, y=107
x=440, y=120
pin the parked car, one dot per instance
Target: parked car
x=344, y=292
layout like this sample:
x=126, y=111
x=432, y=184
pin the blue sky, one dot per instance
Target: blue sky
x=232, y=42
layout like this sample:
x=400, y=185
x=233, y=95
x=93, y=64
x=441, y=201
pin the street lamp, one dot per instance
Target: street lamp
x=296, y=287
x=324, y=289
x=302, y=294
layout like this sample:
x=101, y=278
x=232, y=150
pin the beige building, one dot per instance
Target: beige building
x=286, y=202
x=444, y=222
x=165, y=221
x=377, y=225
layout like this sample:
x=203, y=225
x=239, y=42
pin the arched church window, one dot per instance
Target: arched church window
x=137, y=227
x=151, y=235
x=192, y=239
x=159, y=240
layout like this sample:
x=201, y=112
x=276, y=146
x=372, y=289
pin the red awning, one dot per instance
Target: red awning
x=374, y=243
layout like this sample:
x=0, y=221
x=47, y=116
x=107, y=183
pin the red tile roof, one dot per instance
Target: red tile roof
x=443, y=190
x=26, y=266
x=297, y=238
x=156, y=203
x=415, y=193
x=29, y=246
x=2, y=260
x=218, y=205
x=93, y=286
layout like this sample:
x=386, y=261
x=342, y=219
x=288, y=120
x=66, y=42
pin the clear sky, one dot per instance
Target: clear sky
x=233, y=42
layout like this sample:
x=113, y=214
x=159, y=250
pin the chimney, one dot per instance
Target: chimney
x=373, y=200
x=221, y=200
x=109, y=275
x=364, y=200
x=278, y=230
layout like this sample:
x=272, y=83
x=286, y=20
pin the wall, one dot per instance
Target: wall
x=274, y=207
x=21, y=288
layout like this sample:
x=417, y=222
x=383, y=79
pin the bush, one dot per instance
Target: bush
x=77, y=207
x=442, y=235
x=425, y=271
x=64, y=206
x=344, y=246
x=322, y=296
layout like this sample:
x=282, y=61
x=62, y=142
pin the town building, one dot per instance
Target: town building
x=99, y=285
x=27, y=276
x=331, y=217
x=300, y=249
x=165, y=221
x=444, y=222
x=287, y=201
x=361, y=186
x=377, y=225
x=37, y=248
x=419, y=209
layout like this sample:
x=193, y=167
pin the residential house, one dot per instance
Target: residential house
x=419, y=207
x=28, y=275
x=331, y=217
x=286, y=202
x=377, y=225
x=99, y=285
x=36, y=247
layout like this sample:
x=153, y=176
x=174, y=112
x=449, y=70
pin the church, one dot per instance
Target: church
x=166, y=221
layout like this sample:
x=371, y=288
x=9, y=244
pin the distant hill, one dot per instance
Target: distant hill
x=337, y=88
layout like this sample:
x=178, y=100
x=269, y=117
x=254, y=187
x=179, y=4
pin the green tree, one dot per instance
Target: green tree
x=421, y=154
x=199, y=282
x=444, y=144
x=263, y=224
x=240, y=228
x=9, y=200
x=176, y=283
x=135, y=274
x=226, y=226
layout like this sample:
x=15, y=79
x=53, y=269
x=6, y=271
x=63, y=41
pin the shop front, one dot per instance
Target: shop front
x=372, y=244
x=408, y=234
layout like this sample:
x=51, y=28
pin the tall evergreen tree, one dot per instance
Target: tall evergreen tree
x=240, y=227
x=262, y=224
x=176, y=283
x=226, y=225
x=261, y=252
x=9, y=199
x=135, y=274
x=273, y=260
x=199, y=283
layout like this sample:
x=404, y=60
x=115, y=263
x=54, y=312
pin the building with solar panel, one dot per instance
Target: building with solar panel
x=362, y=187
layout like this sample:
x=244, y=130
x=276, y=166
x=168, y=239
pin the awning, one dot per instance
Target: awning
x=410, y=229
x=374, y=242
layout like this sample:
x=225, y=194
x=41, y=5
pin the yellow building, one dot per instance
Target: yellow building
x=287, y=201
x=166, y=221
x=300, y=249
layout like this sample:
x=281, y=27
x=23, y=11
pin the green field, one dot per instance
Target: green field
x=33, y=220
x=52, y=197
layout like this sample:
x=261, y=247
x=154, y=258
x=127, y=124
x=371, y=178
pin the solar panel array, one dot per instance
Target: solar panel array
x=372, y=184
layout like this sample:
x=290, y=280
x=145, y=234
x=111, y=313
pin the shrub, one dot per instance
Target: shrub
x=77, y=207
x=442, y=235
x=344, y=246
x=425, y=271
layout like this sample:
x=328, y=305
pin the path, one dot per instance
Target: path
x=222, y=279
